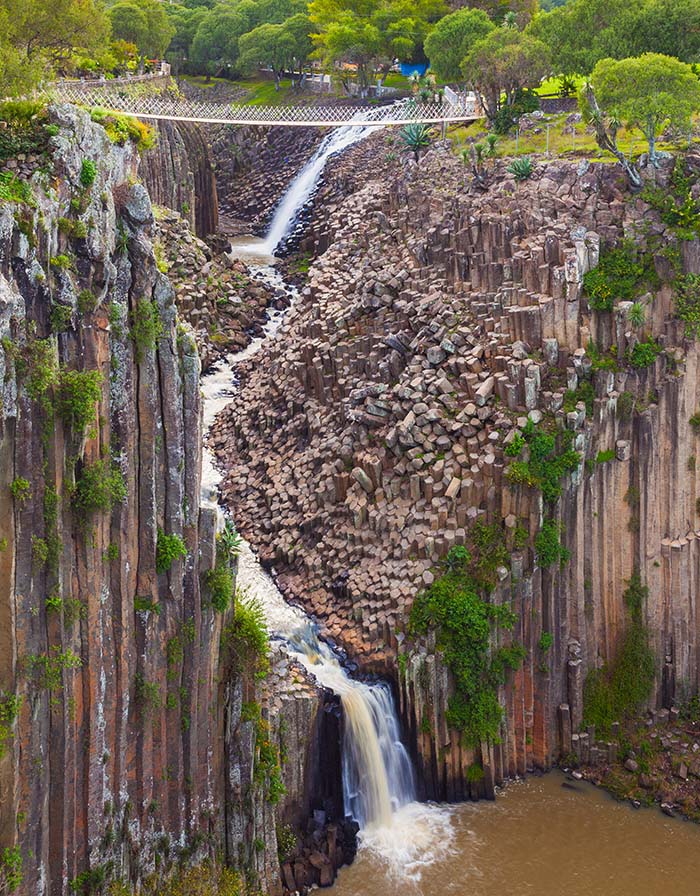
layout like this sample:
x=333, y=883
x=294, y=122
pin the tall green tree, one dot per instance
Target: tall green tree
x=144, y=23
x=280, y=46
x=577, y=34
x=648, y=92
x=215, y=44
x=368, y=34
x=452, y=38
x=36, y=34
x=501, y=64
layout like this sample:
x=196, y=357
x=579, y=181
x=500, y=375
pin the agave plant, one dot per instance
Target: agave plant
x=521, y=168
x=637, y=314
x=415, y=137
x=230, y=540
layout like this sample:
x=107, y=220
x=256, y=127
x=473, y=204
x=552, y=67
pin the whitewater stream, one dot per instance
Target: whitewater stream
x=541, y=836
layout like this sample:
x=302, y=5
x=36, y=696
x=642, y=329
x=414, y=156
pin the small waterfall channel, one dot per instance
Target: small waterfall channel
x=378, y=780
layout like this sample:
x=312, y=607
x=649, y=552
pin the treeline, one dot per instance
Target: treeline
x=493, y=45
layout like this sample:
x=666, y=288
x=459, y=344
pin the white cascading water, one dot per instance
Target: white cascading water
x=304, y=184
x=378, y=781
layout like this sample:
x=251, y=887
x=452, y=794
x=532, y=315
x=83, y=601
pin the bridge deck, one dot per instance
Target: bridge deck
x=164, y=108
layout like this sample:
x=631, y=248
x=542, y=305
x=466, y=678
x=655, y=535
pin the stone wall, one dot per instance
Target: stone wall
x=435, y=321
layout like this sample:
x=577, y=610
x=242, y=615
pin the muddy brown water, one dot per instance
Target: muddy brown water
x=542, y=838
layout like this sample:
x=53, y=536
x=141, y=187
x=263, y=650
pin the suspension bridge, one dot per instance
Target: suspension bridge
x=452, y=109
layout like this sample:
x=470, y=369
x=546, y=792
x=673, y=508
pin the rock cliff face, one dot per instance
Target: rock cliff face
x=375, y=429
x=128, y=743
x=178, y=173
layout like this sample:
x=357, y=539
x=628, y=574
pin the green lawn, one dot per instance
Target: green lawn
x=580, y=143
x=551, y=86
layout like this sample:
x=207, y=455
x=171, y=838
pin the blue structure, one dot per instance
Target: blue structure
x=408, y=68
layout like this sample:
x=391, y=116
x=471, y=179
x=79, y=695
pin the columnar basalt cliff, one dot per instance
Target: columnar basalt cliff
x=440, y=330
x=127, y=741
x=179, y=174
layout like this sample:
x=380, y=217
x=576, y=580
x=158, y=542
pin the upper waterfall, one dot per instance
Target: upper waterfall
x=302, y=187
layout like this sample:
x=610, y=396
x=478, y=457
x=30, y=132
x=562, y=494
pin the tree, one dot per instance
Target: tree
x=606, y=128
x=279, y=46
x=145, y=24
x=368, y=34
x=42, y=28
x=215, y=44
x=36, y=34
x=578, y=33
x=185, y=20
x=647, y=92
x=452, y=38
x=502, y=64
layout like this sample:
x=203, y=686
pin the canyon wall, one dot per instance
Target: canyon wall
x=436, y=321
x=179, y=174
x=133, y=740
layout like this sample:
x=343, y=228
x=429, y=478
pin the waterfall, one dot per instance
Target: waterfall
x=302, y=187
x=378, y=781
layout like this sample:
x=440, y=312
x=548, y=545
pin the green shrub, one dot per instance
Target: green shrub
x=521, y=168
x=144, y=604
x=584, y=392
x=60, y=317
x=40, y=367
x=548, y=547
x=247, y=637
x=463, y=624
x=415, y=137
x=12, y=189
x=230, y=540
x=643, y=354
x=21, y=490
x=604, y=456
x=621, y=275
x=62, y=262
x=88, y=173
x=87, y=301
x=515, y=446
x=267, y=773
x=99, y=487
x=54, y=603
x=625, y=405
x=48, y=668
x=475, y=773
x=621, y=688
x=168, y=549
x=219, y=582
x=548, y=462
x=546, y=641
x=676, y=205
x=147, y=694
x=9, y=710
x=146, y=327
x=120, y=128
x=11, y=875
x=79, y=391
x=688, y=303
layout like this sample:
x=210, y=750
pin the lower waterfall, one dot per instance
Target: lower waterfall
x=378, y=781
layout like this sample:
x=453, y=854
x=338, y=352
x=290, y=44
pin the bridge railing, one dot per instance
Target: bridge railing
x=179, y=109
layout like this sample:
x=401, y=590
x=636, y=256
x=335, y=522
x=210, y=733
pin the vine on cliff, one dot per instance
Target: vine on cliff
x=551, y=458
x=622, y=687
x=464, y=623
